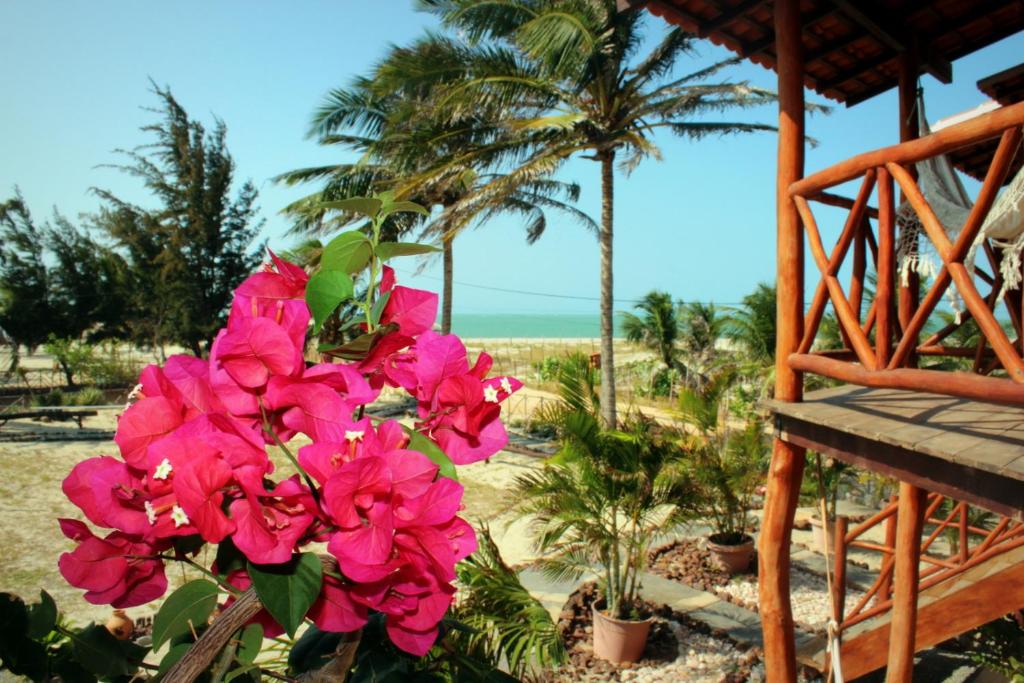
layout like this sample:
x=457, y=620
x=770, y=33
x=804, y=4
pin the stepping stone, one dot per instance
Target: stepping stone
x=741, y=624
x=678, y=596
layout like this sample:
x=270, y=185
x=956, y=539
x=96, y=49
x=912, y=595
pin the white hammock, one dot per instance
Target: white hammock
x=945, y=193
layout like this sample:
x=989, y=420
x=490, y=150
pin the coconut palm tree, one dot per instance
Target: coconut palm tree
x=387, y=120
x=657, y=327
x=752, y=325
x=700, y=328
x=571, y=68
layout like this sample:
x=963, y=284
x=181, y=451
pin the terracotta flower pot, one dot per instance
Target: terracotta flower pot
x=818, y=536
x=733, y=557
x=619, y=640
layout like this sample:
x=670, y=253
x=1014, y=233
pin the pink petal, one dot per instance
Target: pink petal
x=255, y=349
x=413, y=310
x=143, y=423
x=335, y=611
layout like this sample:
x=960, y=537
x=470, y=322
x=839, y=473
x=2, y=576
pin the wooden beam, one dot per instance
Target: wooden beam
x=940, y=142
x=893, y=36
x=806, y=21
x=987, y=490
x=786, y=469
x=947, y=383
x=986, y=597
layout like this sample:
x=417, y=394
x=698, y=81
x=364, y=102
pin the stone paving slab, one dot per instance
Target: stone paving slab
x=676, y=595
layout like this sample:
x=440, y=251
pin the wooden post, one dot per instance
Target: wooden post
x=885, y=588
x=886, y=268
x=909, y=130
x=787, y=464
x=903, y=626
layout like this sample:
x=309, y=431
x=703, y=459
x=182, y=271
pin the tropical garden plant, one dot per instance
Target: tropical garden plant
x=194, y=471
x=599, y=503
x=572, y=70
x=729, y=459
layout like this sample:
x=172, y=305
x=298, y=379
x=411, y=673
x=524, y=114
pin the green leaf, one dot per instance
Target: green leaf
x=376, y=665
x=359, y=348
x=378, y=307
x=314, y=649
x=101, y=653
x=349, y=252
x=325, y=291
x=172, y=657
x=368, y=206
x=418, y=442
x=288, y=590
x=13, y=617
x=42, y=616
x=389, y=250
x=404, y=207
x=188, y=545
x=251, y=641
x=186, y=608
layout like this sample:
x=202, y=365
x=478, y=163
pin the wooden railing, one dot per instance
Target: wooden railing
x=881, y=344
x=973, y=542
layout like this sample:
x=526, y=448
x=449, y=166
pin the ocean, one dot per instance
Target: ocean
x=537, y=325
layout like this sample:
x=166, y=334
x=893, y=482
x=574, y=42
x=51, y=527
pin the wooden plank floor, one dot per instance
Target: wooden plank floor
x=945, y=444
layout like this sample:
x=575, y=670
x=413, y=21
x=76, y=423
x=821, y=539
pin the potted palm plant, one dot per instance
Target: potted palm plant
x=597, y=505
x=728, y=460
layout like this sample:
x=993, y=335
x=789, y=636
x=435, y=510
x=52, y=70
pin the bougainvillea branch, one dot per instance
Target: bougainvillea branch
x=194, y=469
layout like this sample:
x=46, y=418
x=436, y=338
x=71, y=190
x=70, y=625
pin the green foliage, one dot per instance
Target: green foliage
x=507, y=623
x=36, y=644
x=56, y=280
x=288, y=590
x=657, y=328
x=728, y=462
x=601, y=501
x=753, y=325
x=999, y=645
x=186, y=255
x=824, y=476
x=420, y=443
x=547, y=369
x=184, y=610
x=577, y=392
x=73, y=356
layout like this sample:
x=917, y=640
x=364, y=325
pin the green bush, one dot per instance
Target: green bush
x=90, y=396
x=72, y=355
x=52, y=399
x=111, y=369
x=548, y=369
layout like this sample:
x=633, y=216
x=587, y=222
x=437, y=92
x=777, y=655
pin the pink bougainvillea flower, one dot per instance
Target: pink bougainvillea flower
x=255, y=349
x=190, y=377
x=335, y=611
x=144, y=422
x=115, y=570
x=413, y=310
x=268, y=528
x=197, y=476
x=109, y=494
x=465, y=449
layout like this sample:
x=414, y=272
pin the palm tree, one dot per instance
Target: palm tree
x=657, y=328
x=700, y=328
x=570, y=67
x=752, y=325
x=387, y=119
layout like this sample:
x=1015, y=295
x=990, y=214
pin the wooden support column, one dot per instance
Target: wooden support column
x=909, y=67
x=787, y=464
x=903, y=626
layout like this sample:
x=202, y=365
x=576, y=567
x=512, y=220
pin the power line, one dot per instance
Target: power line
x=544, y=294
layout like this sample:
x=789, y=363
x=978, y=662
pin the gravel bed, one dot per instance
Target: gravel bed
x=678, y=648
x=811, y=603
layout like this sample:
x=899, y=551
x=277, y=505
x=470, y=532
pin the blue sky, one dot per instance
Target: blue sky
x=699, y=224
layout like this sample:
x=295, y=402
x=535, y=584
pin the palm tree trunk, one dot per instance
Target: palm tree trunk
x=446, y=304
x=607, y=351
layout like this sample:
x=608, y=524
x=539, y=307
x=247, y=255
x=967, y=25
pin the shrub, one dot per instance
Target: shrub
x=90, y=396
x=51, y=399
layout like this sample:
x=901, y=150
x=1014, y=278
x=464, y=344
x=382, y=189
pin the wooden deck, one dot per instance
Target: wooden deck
x=969, y=450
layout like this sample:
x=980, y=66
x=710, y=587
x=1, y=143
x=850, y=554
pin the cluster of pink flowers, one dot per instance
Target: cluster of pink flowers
x=194, y=462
